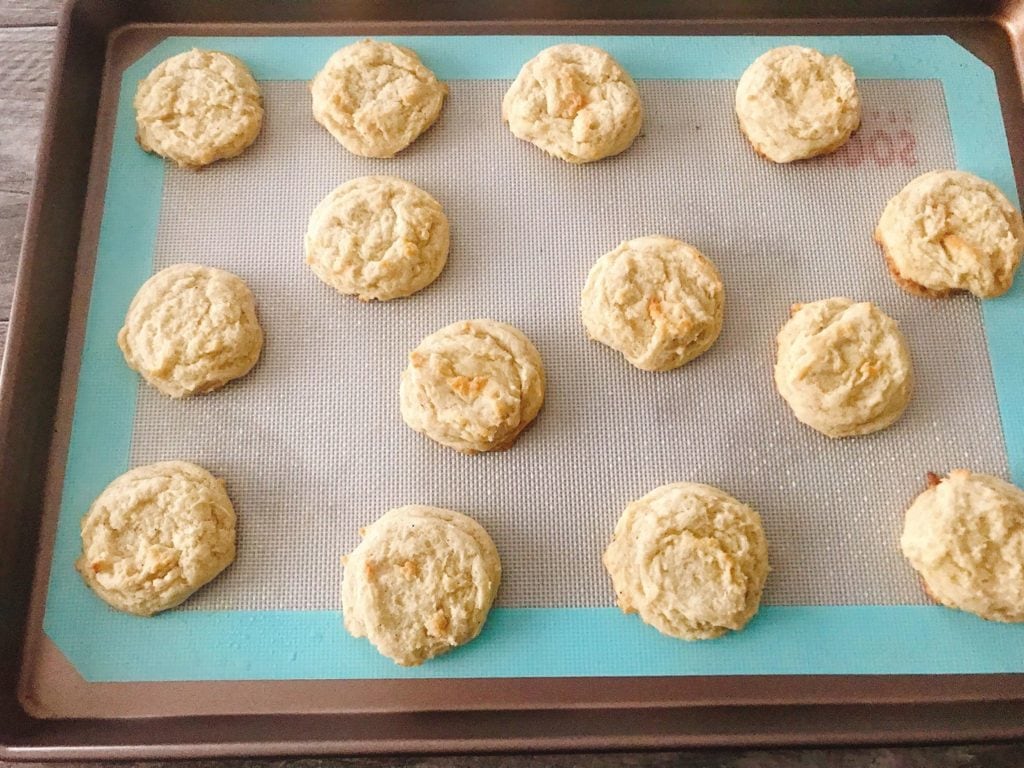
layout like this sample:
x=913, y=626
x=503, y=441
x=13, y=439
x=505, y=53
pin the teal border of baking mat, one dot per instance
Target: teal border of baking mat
x=105, y=645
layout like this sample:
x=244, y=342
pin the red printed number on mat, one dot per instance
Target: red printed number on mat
x=884, y=140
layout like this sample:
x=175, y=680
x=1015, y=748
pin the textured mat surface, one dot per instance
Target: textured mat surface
x=312, y=444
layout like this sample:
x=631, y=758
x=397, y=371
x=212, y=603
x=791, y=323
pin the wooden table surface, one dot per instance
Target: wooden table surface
x=27, y=34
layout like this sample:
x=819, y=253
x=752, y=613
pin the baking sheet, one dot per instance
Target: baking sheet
x=312, y=444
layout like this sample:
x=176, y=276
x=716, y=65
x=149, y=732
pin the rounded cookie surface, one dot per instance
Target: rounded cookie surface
x=420, y=583
x=156, y=535
x=377, y=237
x=575, y=102
x=794, y=103
x=473, y=386
x=965, y=537
x=658, y=301
x=843, y=367
x=198, y=107
x=191, y=329
x=376, y=98
x=690, y=560
x=951, y=231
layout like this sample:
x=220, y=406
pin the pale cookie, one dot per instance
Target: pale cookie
x=191, y=329
x=794, y=103
x=656, y=300
x=574, y=102
x=473, y=386
x=376, y=98
x=843, y=367
x=951, y=231
x=156, y=535
x=420, y=583
x=377, y=237
x=198, y=107
x=965, y=537
x=690, y=560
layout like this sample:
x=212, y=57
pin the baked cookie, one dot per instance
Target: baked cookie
x=794, y=103
x=965, y=536
x=156, y=535
x=574, y=102
x=198, y=107
x=191, y=329
x=951, y=231
x=656, y=300
x=843, y=367
x=690, y=560
x=420, y=583
x=377, y=237
x=473, y=386
x=376, y=98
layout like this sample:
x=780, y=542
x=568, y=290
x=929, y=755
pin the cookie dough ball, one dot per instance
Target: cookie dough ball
x=198, y=107
x=473, y=386
x=951, y=231
x=191, y=329
x=574, y=102
x=843, y=367
x=156, y=535
x=376, y=98
x=656, y=300
x=965, y=536
x=794, y=103
x=690, y=560
x=377, y=237
x=420, y=583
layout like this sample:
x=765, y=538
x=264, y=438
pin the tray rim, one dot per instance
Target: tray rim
x=1007, y=690
x=135, y=186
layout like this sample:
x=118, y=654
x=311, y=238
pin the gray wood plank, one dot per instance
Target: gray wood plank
x=24, y=13
x=24, y=74
x=12, y=219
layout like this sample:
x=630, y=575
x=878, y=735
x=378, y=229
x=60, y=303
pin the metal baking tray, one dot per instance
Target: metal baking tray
x=98, y=39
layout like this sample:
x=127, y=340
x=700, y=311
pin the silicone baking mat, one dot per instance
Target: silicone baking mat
x=312, y=445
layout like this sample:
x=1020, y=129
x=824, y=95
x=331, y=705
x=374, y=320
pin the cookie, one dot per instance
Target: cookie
x=574, y=102
x=690, y=560
x=473, y=386
x=420, y=583
x=376, y=98
x=843, y=367
x=795, y=102
x=377, y=237
x=965, y=536
x=156, y=535
x=951, y=231
x=191, y=329
x=656, y=300
x=198, y=107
